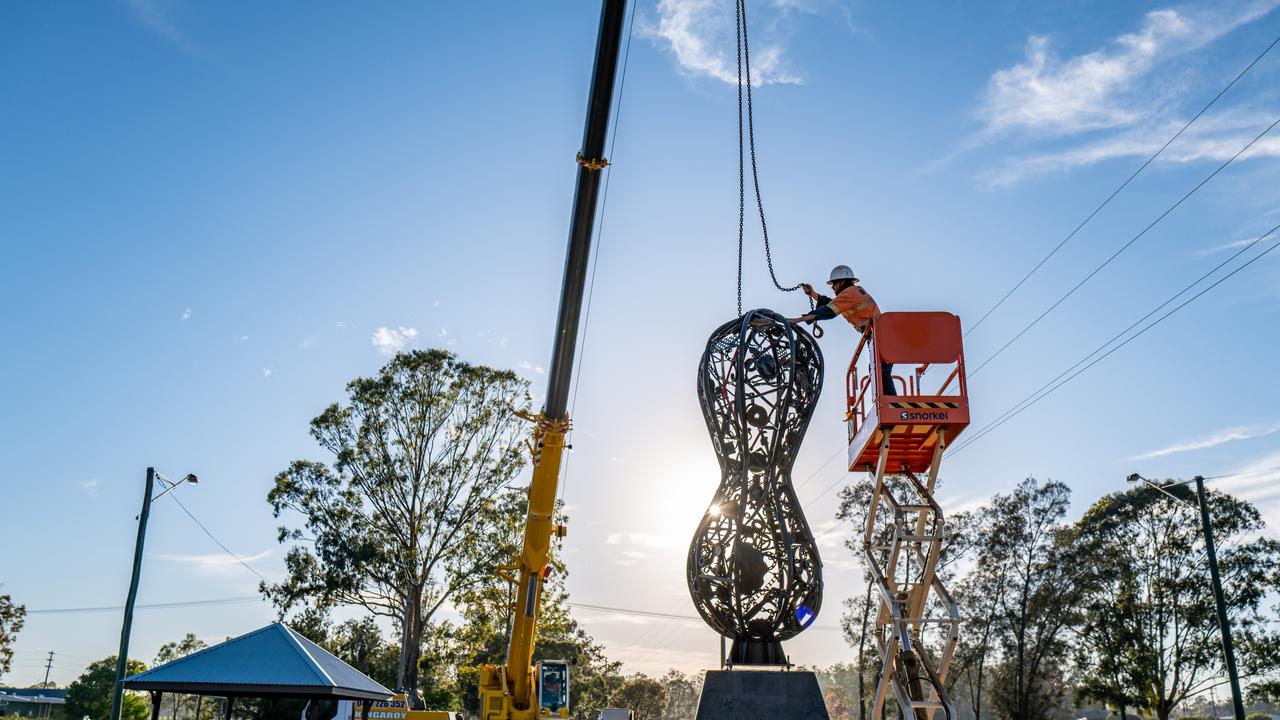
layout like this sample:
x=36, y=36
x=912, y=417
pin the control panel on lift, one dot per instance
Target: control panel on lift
x=921, y=355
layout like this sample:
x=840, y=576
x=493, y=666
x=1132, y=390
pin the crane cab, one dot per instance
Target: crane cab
x=928, y=405
x=553, y=689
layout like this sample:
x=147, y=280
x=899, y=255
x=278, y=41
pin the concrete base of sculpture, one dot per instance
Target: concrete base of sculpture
x=761, y=695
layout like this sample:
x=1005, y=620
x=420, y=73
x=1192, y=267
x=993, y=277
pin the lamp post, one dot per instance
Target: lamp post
x=1180, y=492
x=122, y=661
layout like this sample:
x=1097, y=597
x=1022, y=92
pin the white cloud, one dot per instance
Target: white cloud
x=700, y=34
x=649, y=540
x=1108, y=87
x=157, y=16
x=243, y=338
x=307, y=342
x=90, y=486
x=390, y=341
x=443, y=335
x=1226, y=246
x=216, y=563
x=1214, y=439
x=1258, y=482
x=186, y=314
x=339, y=325
x=526, y=365
x=266, y=372
x=1213, y=138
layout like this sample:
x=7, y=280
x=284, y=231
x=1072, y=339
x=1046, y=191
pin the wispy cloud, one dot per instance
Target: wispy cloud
x=1121, y=96
x=648, y=540
x=216, y=563
x=700, y=35
x=186, y=314
x=90, y=486
x=266, y=372
x=308, y=342
x=442, y=334
x=526, y=365
x=157, y=16
x=1046, y=94
x=1226, y=246
x=1214, y=439
x=1214, y=138
x=390, y=341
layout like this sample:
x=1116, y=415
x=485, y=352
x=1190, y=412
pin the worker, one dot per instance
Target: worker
x=854, y=304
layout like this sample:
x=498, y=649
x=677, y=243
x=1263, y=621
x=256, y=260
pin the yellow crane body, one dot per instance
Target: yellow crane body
x=517, y=689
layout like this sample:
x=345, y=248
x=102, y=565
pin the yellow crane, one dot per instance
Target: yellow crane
x=516, y=690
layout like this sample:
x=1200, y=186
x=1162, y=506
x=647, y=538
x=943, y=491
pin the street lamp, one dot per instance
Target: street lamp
x=1180, y=492
x=122, y=662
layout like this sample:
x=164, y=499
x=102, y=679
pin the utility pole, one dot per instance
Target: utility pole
x=122, y=662
x=47, y=710
x=48, y=665
x=1228, y=648
x=1179, y=491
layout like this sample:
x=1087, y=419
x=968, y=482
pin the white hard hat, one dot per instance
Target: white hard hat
x=841, y=272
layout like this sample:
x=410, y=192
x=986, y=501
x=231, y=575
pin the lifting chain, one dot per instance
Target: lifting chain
x=747, y=138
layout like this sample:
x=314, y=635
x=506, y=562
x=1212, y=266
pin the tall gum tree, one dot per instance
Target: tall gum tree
x=396, y=522
x=1154, y=602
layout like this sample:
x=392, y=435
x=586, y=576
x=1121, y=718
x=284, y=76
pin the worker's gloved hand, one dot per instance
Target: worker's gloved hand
x=808, y=289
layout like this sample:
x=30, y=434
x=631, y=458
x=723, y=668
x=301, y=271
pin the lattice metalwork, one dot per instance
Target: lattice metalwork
x=753, y=568
x=917, y=627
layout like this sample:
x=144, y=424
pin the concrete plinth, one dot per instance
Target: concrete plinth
x=761, y=695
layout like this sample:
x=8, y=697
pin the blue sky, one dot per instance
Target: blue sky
x=213, y=215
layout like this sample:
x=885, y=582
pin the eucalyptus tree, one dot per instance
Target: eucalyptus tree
x=396, y=520
x=12, y=617
x=1021, y=596
x=1154, y=602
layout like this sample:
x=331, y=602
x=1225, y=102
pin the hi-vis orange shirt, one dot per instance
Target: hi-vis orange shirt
x=855, y=305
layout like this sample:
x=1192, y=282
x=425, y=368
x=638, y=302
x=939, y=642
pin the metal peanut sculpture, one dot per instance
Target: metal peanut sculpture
x=753, y=568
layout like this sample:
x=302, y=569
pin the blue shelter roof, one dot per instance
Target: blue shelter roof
x=274, y=661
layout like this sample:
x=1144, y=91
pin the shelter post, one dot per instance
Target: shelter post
x=227, y=712
x=156, y=695
x=364, y=709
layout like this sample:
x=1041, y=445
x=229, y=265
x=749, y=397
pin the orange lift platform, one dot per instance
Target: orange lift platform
x=898, y=436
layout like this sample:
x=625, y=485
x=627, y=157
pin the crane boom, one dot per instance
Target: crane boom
x=507, y=692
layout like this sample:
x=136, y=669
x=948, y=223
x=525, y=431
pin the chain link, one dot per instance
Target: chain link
x=744, y=58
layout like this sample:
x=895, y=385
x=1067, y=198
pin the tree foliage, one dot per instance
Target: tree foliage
x=682, y=695
x=396, y=522
x=12, y=617
x=644, y=696
x=90, y=694
x=171, y=651
x=482, y=637
x=1150, y=637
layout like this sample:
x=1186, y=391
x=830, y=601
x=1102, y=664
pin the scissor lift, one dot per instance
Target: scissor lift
x=899, y=439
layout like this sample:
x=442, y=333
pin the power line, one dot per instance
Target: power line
x=1123, y=185
x=595, y=260
x=662, y=615
x=1043, y=392
x=1242, y=473
x=1122, y=248
x=216, y=540
x=1132, y=325
x=151, y=606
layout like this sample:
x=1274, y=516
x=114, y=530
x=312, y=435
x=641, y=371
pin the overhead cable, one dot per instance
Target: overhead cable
x=1124, y=247
x=1122, y=186
x=1050, y=386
